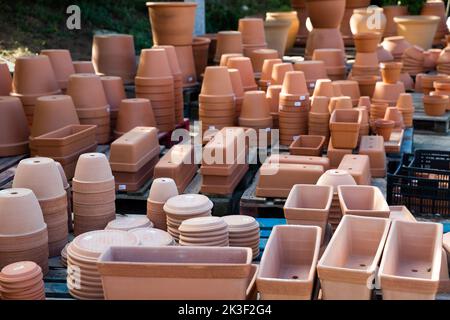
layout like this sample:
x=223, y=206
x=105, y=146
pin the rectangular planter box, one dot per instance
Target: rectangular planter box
x=363, y=201
x=373, y=146
x=288, y=158
x=411, y=264
x=358, y=166
x=175, y=273
x=349, y=264
x=335, y=155
x=288, y=264
x=307, y=146
x=344, y=128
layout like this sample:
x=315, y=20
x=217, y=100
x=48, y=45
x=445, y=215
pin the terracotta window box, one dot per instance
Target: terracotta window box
x=335, y=155
x=358, y=166
x=309, y=205
x=133, y=181
x=223, y=185
x=344, y=127
x=307, y=146
x=411, y=263
x=349, y=264
x=373, y=146
x=171, y=273
x=288, y=264
x=178, y=164
x=363, y=201
x=311, y=160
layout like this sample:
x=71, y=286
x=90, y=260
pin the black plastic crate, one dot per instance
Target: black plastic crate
x=431, y=159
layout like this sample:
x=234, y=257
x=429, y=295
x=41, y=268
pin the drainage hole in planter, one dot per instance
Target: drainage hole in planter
x=362, y=265
x=414, y=270
x=36, y=161
x=429, y=270
x=14, y=193
x=350, y=168
x=295, y=277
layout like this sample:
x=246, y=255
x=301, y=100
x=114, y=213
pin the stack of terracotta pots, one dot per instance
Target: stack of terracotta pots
x=133, y=158
x=325, y=32
x=413, y=60
x=238, y=89
x=388, y=90
x=41, y=175
x=228, y=42
x=217, y=99
x=406, y=107
x=22, y=281
x=161, y=190
x=266, y=73
x=392, y=113
x=200, y=47
x=115, y=93
x=83, y=279
x=436, y=104
x=129, y=222
x=33, y=78
x=155, y=81
x=302, y=14
x=253, y=37
x=5, y=79
x=436, y=8
x=173, y=24
x=428, y=81
x=273, y=98
x=83, y=67
x=23, y=232
x=14, y=127
x=313, y=70
x=350, y=8
x=276, y=33
x=91, y=104
x=334, y=62
x=243, y=232
x=396, y=46
x=259, y=56
x=319, y=117
x=62, y=65
x=255, y=112
x=133, y=113
x=114, y=55
x=245, y=67
x=294, y=107
x=441, y=87
x=184, y=207
x=94, y=193
x=443, y=63
x=204, y=231
x=377, y=111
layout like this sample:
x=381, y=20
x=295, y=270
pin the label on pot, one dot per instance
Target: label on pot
x=298, y=103
x=122, y=187
x=302, y=98
x=295, y=137
x=312, y=85
x=190, y=79
x=211, y=127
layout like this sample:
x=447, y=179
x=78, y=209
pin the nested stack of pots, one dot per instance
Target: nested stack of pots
x=244, y=65
x=243, y=231
x=83, y=67
x=238, y=89
x=23, y=232
x=15, y=131
x=61, y=61
x=253, y=37
x=114, y=55
x=294, y=107
x=154, y=81
x=183, y=207
x=94, y=193
x=22, y=280
x=313, y=70
x=161, y=190
x=319, y=117
x=443, y=63
x=43, y=177
x=334, y=60
x=133, y=113
x=115, y=93
x=217, y=100
x=33, y=78
x=406, y=107
x=266, y=73
x=177, y=82
x=388, y=90
x=204, y=231
x=255, y=113
x=91, y=104
x=413, y=60
x=228, y=42
x=273, y=98
x=83, y=278
x=377, y=111
x=5, y=79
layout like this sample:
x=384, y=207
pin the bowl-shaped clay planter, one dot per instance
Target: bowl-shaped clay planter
x=62, y=65
x=411, y=262
x=417, y=29
x=435, y=105
x=349, y=264
x=14, y=130
x=284, y=274
x=172, y=22
x=390, y=71
x=316, y=8
x=307, y=146
x=363, y=201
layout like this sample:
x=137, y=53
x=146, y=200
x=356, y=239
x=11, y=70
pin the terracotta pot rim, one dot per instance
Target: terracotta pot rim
x=382, y=123
x=170, y=4
x=414, y=19
x=391, y=65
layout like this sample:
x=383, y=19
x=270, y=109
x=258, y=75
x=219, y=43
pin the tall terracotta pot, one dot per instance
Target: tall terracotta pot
x=200, y=46
x=277, y=32
x=317, y=8
x=294, y=24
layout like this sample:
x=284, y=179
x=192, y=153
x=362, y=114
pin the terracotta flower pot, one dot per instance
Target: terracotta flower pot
x=62, y=65
x=284, y=278
x=383, y=55
x=154, y=63
x=319, y=104
x=294, y=24
x=133, y=113
x=244, y=65
x=370, y=19
x=87, y=91
x=200, y=47
x=114, y=91
x=307, y=145
x=185, y=55
x=172, y=22
x=394, y=114
x=344, y=127
x=391, y=12
x=387, y=92
x=228, y=42
x=358, y=165
x=83, y=67
x=366, y=85
x=294, y=84
x=313, y=70
x=226, y=56
x=6, y=79
x=324, y=88
x=415, y=273
x=114, y=55
x=259, y=56
x=349, y=88
x=435, y=105
x=255, y=110
x=417, y=29
x=216, y=82
x=324, y=39
x=384, y=128
x=317, y=7
x=278, y=72
x=373, y=146
x=367, y=41
x=14, y=130
x=252, y=30
x=390, y=71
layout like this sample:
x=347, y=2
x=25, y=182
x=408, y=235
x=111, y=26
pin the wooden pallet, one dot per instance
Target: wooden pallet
x=424, y=122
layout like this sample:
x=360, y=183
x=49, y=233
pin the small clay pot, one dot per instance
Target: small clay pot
x=349, y=88
x=14, y=130
x=313, y=69
x=224, y=58
x=5, y=79
x=252, y=30
x=396, y=46
x=394, y=114
x=244, y=65
x=383, y=55
x=228, y=42
x=86, y=91
x=384, y=128
x=366, y=84
x=266, y=71
x=435, y=105
x=319, y=104
x=279, y=70
x=273, y=97
x=62, y=65
x=255, y=108
x=154, y=63
x=259, y=56
x=134, y=113
x=294, y=83
x=216, y=82
x=390, y=71
x=324, y=88
x=317, y=8
x=367, y=41
x=93, y=167
x=83, y=67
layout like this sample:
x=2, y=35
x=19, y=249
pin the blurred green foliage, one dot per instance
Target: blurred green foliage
x=414, y=6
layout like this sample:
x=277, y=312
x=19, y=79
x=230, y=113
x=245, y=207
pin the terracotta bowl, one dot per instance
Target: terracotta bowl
x=435, y=105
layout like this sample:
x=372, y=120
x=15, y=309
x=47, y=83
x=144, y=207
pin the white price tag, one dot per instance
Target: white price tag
x=268, y=129
x=302, y=98
x=297, y=104
x=122, y=187
x=212, y=128
x=312, y=85
x=190, y=79
x=295, y=137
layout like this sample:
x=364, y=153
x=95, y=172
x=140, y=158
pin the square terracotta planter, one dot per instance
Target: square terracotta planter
x=348, y=266
x=309, y=205
x=335, y=155
x=373, y=146
x=401, y=213
x=308, y=145
x=411, y=263
x=288, y=265
x=358, y=166
x=344, y=127
x=171, y=273
x=363, y=201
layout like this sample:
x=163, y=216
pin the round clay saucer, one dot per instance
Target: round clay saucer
x=202, y=224
x=240, y=222
x=188, y=204
x=129, y=222
x=20, y=271
x=151, y=237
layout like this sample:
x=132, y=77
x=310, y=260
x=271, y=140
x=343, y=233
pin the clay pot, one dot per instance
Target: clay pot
x=200, y=47
x=370, y=19
x=133, y=113
x=384, y=128
x=276, y=34
x=252, y=30
x=435, y=105
x=294, y=84
x=366, y=85
x=324, y=88
x=87, y=91
x=228, y=42
x=294, y=24
x=373, y=146
x=307, y=145
x=255, y=111
x=317, y=8
x=62, y=65
x=83, y=67
x=363, y=201
x=390, y=71
x=349, y=88
x=415, y=273
x=14, y=128
x=344, y=127
x=224, y=58
x=244, y=65
x=346, y=276
x=129, y=222
x=279, y=70
x=185, y=56
x=367, y=41
x=387, y=92
x=216, y=82
x=279, y=277
x=391, y=12
x=314, y=70
x=172, y=22
x=259, y=56
x=154, y=63
x=114, y=55
x=358, y=166
x=383, y=55
x=93, y=167
x=22, y=281
x=417, y=29
x=319, y=104
x=436, y=8
x=393, y=113
x=324, y=39
x=6, y=79
x=396, y=46
x=332, y=58
x=114, y=91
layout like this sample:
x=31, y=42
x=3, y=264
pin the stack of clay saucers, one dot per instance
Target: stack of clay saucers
x=83, y=279
x=183, y=207
x=152, y=237
x=22, y=281
x=63, y=259
x=204, y=231
x=243, y=232
x=443, y=62
x=413, y=60
x=161, y=190
x=94, y=193
x=129, y=222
